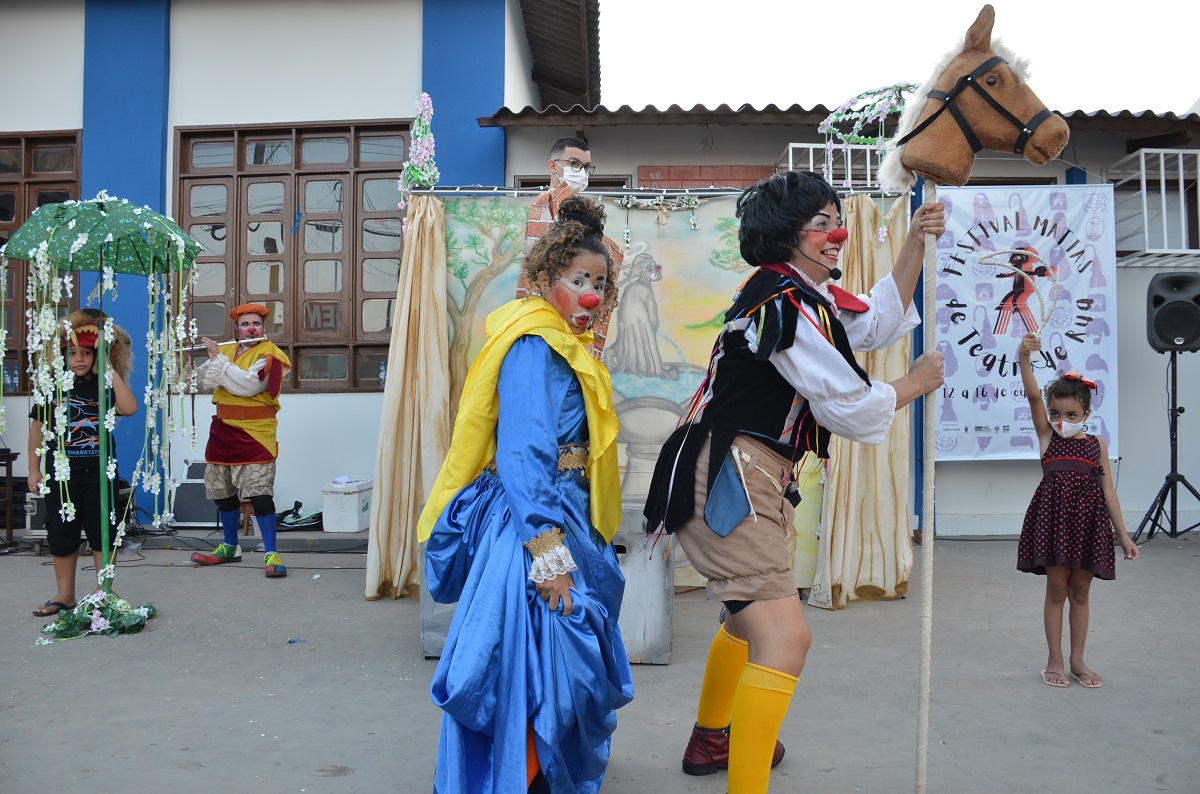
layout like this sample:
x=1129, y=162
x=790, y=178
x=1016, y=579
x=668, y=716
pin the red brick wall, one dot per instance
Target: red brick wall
x=670, y=177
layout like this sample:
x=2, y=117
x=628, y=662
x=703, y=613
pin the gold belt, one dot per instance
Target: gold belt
x=570, y=456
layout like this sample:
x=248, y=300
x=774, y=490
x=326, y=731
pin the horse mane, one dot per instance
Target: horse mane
x=893, y=176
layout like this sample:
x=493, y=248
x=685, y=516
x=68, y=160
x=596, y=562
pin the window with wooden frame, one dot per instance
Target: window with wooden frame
x=36, y=168
x=303, y=219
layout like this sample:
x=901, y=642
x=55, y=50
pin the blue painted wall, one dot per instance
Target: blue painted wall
x=462, y=69
x=126, y=75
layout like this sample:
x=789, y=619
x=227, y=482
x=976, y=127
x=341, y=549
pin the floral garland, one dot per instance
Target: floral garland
x=663, y=206
x=98, y=613
x=419, y=169
x=870, y=107
x=169, y=336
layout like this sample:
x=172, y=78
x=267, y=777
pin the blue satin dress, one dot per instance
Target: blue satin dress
x=509, y=658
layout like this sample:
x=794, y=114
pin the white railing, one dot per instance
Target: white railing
x=1156, y=204
x=845, y=166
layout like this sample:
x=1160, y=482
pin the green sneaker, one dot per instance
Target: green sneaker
x=275, y=568
x=221, y=555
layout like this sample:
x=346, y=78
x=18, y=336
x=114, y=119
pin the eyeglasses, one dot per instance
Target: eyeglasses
x=588, y=168
x=822, y=226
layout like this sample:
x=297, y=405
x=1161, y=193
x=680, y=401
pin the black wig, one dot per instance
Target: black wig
x=773, y=211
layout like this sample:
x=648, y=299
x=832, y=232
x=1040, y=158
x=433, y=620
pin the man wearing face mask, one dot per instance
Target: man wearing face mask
x=570, y=165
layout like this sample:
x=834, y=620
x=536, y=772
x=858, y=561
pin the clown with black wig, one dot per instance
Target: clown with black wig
x=782, y=378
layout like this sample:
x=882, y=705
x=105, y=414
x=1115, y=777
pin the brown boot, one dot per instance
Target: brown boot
x=708, y=751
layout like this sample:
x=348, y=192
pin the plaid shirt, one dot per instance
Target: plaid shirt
x=542, y=213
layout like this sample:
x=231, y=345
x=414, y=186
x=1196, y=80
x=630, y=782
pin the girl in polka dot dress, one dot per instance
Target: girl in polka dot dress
x=1068, y=531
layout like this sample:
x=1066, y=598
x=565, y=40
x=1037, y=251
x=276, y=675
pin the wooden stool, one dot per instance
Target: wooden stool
x=247, y=517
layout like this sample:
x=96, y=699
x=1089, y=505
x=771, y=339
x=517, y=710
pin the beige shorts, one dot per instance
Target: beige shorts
x=753, y=562
x=249, y=479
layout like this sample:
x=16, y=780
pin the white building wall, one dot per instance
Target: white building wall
x=256, y=62
x=41, y=59
x=320, y=437
x=519, y=88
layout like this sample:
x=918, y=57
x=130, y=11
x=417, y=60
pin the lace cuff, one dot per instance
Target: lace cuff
x=550, y=557
x=211, y=371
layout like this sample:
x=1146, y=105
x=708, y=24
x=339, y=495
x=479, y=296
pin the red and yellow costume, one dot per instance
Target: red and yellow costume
x=243, y=429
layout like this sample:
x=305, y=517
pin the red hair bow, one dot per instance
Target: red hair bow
x=1073, y=375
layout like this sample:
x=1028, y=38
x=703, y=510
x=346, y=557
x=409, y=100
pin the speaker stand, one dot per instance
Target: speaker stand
x=1158, y=511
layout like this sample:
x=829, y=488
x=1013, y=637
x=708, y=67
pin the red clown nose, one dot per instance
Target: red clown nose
x=838, y=235
x=589, y=301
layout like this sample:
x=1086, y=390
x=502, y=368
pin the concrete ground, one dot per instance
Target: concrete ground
x=213, y=697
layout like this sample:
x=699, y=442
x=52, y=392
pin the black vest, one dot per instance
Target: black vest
x=748, y=395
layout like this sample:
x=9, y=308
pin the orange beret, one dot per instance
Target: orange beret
x=249, y=308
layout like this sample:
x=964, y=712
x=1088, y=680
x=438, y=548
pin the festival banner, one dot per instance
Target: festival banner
x=1017, y=258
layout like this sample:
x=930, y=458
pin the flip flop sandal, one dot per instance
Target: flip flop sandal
x=1091, y=682
x=50, y=609
x=1061, y=682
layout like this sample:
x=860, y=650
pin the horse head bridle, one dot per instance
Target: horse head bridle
x=1027, y=128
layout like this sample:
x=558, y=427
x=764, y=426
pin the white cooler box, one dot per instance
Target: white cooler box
x=346, y=506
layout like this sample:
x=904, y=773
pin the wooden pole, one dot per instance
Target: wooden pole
x=929, y=415
x=106, y=554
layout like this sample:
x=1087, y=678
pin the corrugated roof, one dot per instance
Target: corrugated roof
x=564, y=44
x=601, y=116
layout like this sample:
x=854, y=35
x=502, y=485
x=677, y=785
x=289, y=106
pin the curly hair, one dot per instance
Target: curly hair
x=1063, y=387
x=578, y=229
x=772, y=212
x=120, y=350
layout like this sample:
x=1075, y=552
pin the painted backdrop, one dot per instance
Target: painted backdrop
x=983, y=310
x=682, y=266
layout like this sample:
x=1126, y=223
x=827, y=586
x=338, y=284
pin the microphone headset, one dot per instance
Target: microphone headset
x=838, y=235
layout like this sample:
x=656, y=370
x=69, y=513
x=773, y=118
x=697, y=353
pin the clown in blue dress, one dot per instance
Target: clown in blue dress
x=518, y=530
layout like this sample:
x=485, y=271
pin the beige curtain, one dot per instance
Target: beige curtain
x=865, y=546
x=414, y=429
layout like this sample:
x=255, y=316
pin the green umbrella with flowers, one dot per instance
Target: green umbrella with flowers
x=104, y=232
x=107, y=235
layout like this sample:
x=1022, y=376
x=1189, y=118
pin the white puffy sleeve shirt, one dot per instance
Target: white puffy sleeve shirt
x=839, y=399
x=220, y=371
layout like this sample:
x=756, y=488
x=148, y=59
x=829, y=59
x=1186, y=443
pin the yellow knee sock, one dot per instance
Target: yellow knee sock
x=726, y=658
x=759, y=706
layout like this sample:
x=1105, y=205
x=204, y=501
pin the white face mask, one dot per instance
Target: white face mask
x=1067, y=429
x=576, y=178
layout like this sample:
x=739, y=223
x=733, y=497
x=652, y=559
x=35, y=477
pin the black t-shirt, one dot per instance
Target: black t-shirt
x=83, y=424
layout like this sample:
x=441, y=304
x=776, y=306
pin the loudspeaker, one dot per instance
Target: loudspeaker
x=1173, y=312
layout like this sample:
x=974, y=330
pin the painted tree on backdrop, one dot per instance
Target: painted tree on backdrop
x=493, y=244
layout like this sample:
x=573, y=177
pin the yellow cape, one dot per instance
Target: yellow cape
x=474, y=440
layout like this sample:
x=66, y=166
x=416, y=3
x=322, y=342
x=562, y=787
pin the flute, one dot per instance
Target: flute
x=238, y=342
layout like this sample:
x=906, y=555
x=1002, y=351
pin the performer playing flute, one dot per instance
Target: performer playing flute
x=245, y=377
